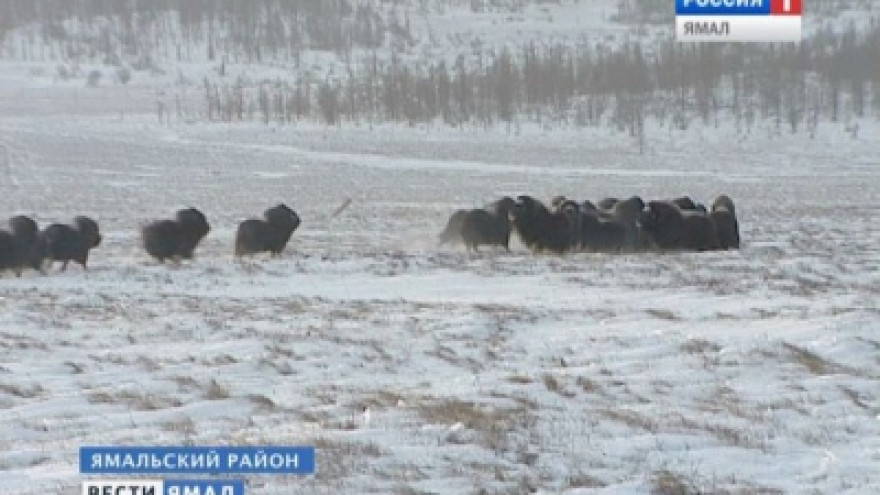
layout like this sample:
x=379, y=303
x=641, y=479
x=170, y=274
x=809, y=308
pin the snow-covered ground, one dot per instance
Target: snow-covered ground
x=753, y=371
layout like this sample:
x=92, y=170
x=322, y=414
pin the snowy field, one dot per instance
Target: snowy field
x=415, y=368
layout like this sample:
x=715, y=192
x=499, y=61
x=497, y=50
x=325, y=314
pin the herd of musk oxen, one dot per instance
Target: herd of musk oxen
x=24, y=246
x=610, y=226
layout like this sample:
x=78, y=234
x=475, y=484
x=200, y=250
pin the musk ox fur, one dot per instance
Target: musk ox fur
x=723, y=215
x=670, y=228
x=539, y=228
x=488, y=226
x=606, y=203
x=9, y=253
x=269, y=234
x=30, y=250
x=592, y=231
x=452, y=233
x=628, y=214
x=684, y=203
x=66, y=243
x=175, y=239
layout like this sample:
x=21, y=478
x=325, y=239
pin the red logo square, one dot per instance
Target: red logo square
x=785, y=7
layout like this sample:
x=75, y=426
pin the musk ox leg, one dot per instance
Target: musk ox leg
x=64, y=265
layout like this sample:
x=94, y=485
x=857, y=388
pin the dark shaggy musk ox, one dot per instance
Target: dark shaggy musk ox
x=539, y=228
x=452, y=233
x=195, y=228
x=488, y=226
x=628, y=213
x=670, y=229
x=684, y=203
x=66, y=243
x=592, y=231
x=30, y=246
x=556, y=202
x=271, y=234
x=723, y=214
x=606, y=203
x=175, y=239
x=9, y=253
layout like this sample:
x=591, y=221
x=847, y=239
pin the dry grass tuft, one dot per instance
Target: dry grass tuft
x=700, y=346
x=215, y=391
x=662, y=314
x=665, y=482
x=492, y=425
x=23, y=391
x=813, y=362
x=136, y=400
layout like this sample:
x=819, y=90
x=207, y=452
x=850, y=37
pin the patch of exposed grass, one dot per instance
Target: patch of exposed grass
x=520, y=379
x=632, y=419
x=700, y=346
x=492, y=425
x=184, y=426
x=662, y=314
x=215, y=391
x=665, y=482
x=585, y=481
x=135, y=400
x=588, y=385
x=262, y=402
x=31, y=391
x=813, y=362
x=554, y=385
x=854, y=396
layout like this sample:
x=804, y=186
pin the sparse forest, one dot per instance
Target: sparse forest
x=378, y=73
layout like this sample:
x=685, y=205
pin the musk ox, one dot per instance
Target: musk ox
x=271, y=233
x=669, y=228
x=723, y=215
x=539, y=228
x=30, y=246
x=684, y=203
x=9, y=253
x=195, y=228
x=488, y=226
x=628, y=214
x=175, y=239
x=66, y=243
x=591, y=231
x=452, y=233
x=557, y=201
x=723, y=201
x=606, y=203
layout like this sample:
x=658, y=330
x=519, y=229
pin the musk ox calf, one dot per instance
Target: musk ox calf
x=30, y=251
x=670, y=228
x=723, y=215
x=488, y=226
x=175, y=239
x=269, y=234
x=66, y=243
x=539, y=228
